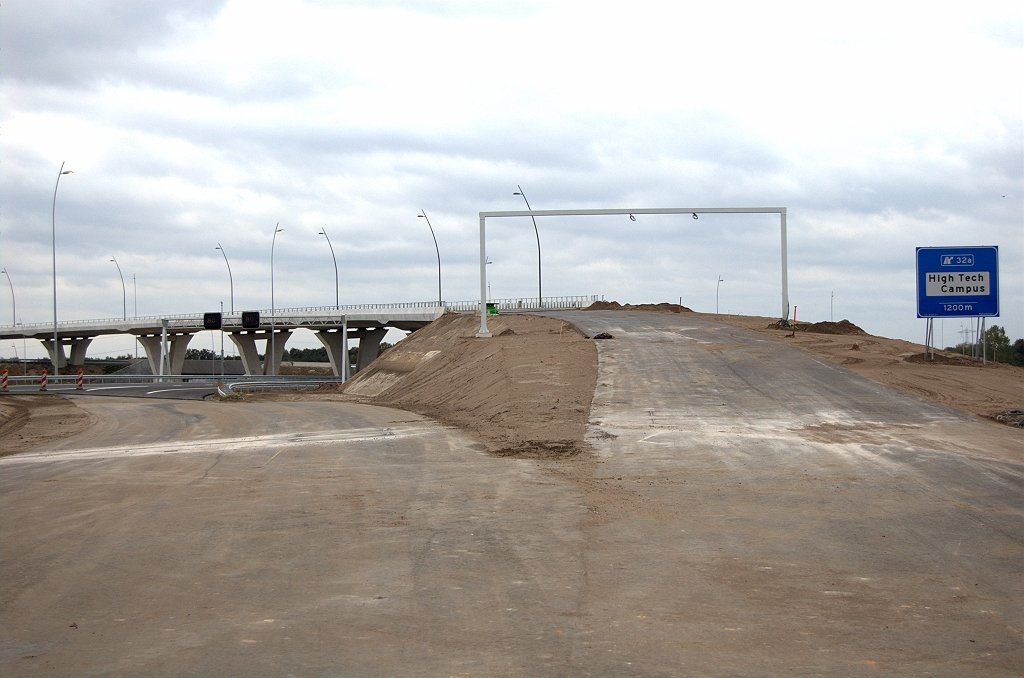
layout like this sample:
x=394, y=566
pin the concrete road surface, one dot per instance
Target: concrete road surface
x=749, y=510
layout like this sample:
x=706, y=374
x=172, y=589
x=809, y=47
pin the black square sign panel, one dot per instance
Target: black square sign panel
x=250, y=320
x=211, y=321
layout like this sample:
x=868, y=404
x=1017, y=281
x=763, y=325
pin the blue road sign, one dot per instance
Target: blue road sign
x=957, y=281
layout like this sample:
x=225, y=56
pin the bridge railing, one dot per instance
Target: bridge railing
x=180, y=319
x=321, y=312
x=526, y=304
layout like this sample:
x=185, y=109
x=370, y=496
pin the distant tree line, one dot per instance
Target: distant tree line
x=998, y=348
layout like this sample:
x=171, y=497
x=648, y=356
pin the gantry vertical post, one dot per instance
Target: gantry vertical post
x=483, y=280
x=785, y=266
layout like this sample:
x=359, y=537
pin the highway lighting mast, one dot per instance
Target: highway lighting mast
x=230, y=278
x=337, y=302
x=53, y=225
x=124, y=292
x=273, y=343
x=438, y=249
x=540, y=299
x=14, y=303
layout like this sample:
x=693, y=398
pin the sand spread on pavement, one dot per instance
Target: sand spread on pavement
x=30, y=421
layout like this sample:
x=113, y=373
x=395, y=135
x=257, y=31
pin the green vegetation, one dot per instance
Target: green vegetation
x=999, y=347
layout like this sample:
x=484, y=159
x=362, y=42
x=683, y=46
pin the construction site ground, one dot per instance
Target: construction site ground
x=692, y=495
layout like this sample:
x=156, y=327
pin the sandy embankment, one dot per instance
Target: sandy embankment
x=30, y=421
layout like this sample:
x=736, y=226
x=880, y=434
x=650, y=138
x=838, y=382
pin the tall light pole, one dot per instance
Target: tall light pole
x=14, y=303
x=717, y=285
x=337, y=303
x=273, y=345
x=53, y=225
x=135, y=294
x=540, y=298
x=438, y=249
x=124, y=292
x=831, y=304
x=231, y=279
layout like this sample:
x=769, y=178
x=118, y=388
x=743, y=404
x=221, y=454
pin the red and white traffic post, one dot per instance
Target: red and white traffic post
x=3, y=380
x=42, y=381
x=78, y=381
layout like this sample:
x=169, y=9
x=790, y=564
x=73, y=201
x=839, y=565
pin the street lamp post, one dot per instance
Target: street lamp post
x=124, y=292
x=717, y=285
x=540, y=298
x=438, y=249
x=231, y=279
x=14, y=303
x=273, y=344
x=53, y=226
x=337, y=302
x=135, y=296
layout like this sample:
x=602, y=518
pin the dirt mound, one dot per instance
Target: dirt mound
x=525, y=392
x=616, y=306
x=944, y=358
x=31, y=421
x=826, y=327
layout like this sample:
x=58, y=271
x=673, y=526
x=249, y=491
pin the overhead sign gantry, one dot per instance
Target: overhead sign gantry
x=781, y=211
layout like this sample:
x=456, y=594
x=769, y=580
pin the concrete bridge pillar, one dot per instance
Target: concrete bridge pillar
x=246, y=343
x=78, y=348
x=337, y=349
x=369, y=344
x=280, y=339
x=177, y=344
x=61, y=360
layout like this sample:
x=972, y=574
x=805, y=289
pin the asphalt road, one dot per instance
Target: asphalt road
x=173, y=391
x=748, y=510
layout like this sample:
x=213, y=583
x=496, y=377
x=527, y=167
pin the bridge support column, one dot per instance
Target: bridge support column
x=177, y=345
x=61, y=360
x=337, y=349
x=280, y=339
x=176, y=351
x=78, y=348
x=369, y=344
x=246, y=343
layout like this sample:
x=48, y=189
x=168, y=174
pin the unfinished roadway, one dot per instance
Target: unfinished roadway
x=746, y=509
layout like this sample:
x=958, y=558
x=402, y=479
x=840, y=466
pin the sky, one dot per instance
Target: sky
x=881, y=127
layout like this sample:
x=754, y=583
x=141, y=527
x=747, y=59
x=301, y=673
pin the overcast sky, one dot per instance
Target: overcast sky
x=881, y=127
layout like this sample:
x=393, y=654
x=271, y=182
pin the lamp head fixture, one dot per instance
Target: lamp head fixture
x=632, y=218
x=67, y=172
x=694, y=215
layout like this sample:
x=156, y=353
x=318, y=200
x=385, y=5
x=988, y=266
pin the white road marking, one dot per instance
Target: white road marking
x=244, y=444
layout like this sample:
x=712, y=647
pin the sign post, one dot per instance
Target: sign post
x=957, y=282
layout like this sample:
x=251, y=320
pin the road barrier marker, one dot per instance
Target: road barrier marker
x=42, y=381
x=78, y=381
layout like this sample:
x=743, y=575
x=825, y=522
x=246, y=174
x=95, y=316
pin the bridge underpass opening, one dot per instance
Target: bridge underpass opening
x=632, y=214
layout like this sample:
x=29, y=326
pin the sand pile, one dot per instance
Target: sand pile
x=826, y=327
x=524, y=392
x=616, y=306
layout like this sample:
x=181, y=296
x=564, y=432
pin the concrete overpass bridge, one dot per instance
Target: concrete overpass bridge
x=166, y=338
